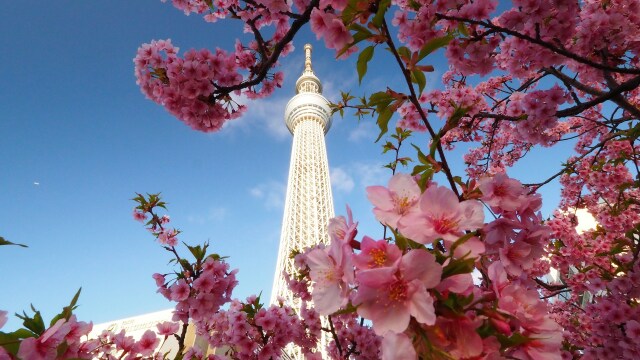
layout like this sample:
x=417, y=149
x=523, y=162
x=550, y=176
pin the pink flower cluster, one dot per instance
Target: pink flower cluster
x=201, y=294
x=540, y=107
x=62, y=340
x=409, y=294
x=518, y=237
x=358, y=340
x=250, y=331
x=426, y=217
x=329, y=26
x=184, y=86
x=605, y=279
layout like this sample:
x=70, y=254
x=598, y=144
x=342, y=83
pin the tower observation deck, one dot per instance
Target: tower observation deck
x=309, y=202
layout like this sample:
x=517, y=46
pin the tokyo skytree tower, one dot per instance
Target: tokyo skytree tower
x=309, y=203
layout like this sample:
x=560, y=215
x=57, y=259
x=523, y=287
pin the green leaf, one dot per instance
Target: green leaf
x=455, y=302
x=458, y=266
x=404, y=51
x=380, y=100
x=383, y=121
x=418, y=169
x=458, y=114
x=434, y=145
x=67, y=311
x=463, y=239
x=417, y=76
x=11, y=341
x=434, y=45
x=196, y=251
x=513, y=340
x=361, y=33
x=382, y=9
x=350, y=11
x=462, y=29
x=363, y=59
x=425, y=178
x=186, y=265
x=35, y=323
x=485, y=330
x=3, y=241
x=347, y=310
x=421, y=157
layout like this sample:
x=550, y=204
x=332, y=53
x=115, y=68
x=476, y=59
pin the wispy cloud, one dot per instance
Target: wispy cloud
x=272, y=193
x=372, y=173
x=267, y=115
x=341, y=180
x=365, y=130
x=264, y=115
x=359, y=174
x=214, y=214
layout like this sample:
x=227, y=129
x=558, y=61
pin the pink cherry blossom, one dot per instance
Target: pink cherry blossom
x=167, y=328
x=457, y=336
x=139, y=215
x=343, y=230
x=180, y=290
x=397, y=346
x=502, y=193
x=147, y=343
x=396, y=201
x=389, y=296
x=376, y=254
x=441, y=216
x=331, y=272
x=44, y=347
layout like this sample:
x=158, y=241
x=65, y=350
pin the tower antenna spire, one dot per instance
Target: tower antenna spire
x=307, y=58
x=308, y=82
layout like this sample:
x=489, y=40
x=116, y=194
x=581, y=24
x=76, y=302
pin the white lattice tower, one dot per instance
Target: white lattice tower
x=309, y=203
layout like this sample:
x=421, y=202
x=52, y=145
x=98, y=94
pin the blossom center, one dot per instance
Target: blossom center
x=445, y=225
x=499, y=190
x=402, y=204
x=398, y=291
x=378, y=258
x=328, y=276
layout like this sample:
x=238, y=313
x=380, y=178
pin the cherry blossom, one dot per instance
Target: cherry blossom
x=390, y=296
x=441, y=216
x=396, y=201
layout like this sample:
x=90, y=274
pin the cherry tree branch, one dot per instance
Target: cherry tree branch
x=269, y=59
x=414, y=100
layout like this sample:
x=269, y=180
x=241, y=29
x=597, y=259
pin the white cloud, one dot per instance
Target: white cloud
x=263, y=115
x=341, y=180
x=272, y=193
x=214, y=214
x=359, y=175
x=371, y=174
x=364, y=130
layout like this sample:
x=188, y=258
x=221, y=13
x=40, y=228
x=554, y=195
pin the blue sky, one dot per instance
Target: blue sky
x=79, y=139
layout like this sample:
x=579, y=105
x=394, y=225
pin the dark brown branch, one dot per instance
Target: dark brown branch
x=575, y=110
x=613, y=93
x=268, y=63
x=414, y=100
x=620, y=101
x=549, y=286
x=601, y=144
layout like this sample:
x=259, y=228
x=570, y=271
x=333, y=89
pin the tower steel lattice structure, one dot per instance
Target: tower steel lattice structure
x=309, y=202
